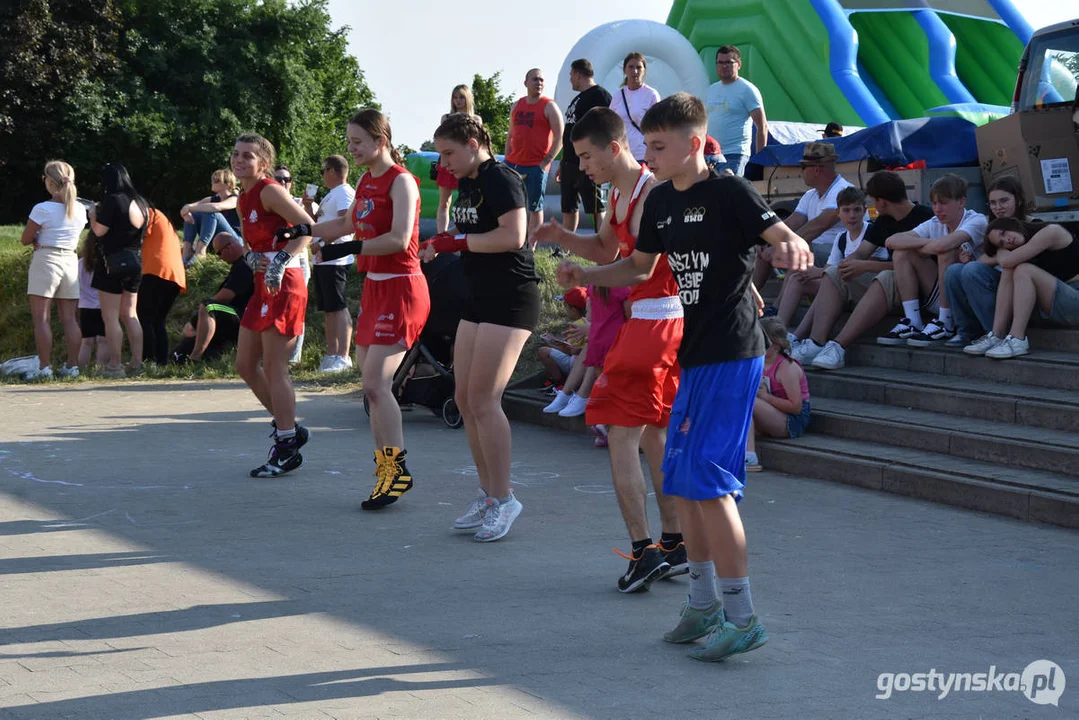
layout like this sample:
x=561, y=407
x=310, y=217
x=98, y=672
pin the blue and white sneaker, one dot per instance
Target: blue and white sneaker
x=726, y=640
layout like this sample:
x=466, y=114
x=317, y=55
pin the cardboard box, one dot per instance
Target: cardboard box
x=1041, y=148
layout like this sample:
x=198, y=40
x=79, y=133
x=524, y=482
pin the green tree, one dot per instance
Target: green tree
x=173, y=84
x=428, y=146
x=494, y=107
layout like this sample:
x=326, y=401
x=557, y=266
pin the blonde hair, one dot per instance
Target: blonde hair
x=264, y=150
x=225, y=176
x=62, y=176
x=470, y=104
x=776, y=332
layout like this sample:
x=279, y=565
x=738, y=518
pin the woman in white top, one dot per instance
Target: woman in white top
x=54, y=229
x=633, y=100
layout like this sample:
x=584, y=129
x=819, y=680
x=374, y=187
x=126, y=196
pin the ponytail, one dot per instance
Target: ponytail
x=377, y=126
x=62, y=176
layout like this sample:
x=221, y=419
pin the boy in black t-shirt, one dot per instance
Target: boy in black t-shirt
x=709, y=226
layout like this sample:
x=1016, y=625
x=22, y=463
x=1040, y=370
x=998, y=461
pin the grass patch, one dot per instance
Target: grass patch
x=203, y=279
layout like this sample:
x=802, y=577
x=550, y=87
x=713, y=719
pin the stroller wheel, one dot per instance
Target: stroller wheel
x=451, y=415
x=366, y=406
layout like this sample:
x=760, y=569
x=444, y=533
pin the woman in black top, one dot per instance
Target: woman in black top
x=1039, y=270
x=119, y=223
x=501, y=310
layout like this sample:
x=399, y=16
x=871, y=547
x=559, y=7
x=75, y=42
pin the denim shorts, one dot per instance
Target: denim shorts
x=535, y=184
x=797, y=424
x=1065, y=305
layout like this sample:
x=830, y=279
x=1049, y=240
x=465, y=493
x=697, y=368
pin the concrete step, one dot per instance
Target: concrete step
x=1030, y=495
x=994, y=442
x=957, y=396
x=1041, y=368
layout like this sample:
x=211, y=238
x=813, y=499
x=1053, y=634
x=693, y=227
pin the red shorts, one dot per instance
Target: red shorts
x=640, y=376
x=392, y=311
x=283, y=312
x=446, y=179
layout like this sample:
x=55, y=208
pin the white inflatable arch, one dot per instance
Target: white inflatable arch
x=673, y=64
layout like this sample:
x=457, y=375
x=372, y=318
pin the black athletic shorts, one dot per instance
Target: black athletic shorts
x=330, y=282
x=576, y=185
x=90, y=323
x=518, y=308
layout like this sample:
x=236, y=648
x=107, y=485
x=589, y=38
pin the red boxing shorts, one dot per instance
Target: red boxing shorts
x=392, y=311
x=640, y=373
x=283, y=312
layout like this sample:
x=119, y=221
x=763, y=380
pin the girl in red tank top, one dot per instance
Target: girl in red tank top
x=385, y=217
x=275, y=313
x=460, y=102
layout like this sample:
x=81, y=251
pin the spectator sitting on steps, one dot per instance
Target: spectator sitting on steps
x=556, y=355
x=859, y=282
x=1038, y=269
x=781, y=409
x=816, y=218
x=216, y=326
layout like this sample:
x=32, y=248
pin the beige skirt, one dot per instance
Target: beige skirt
x=54, y=273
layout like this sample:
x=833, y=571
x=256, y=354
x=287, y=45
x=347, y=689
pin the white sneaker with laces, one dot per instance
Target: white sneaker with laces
x=831, y=357
x=44, y=373
x=574, y=407
x=983, y=344
x=792, y=338
x=68, y=372
x=1009, y=347
x=498, y=518
x=324, y=366
x=560, y=401
x=473, y=516
x=340, y=364
x=805, y=351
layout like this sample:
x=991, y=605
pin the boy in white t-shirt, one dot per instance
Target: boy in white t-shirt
x=922, y=256
x=331, y=276
x=851, y=206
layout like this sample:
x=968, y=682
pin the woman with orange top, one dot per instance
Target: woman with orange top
x=163, y=278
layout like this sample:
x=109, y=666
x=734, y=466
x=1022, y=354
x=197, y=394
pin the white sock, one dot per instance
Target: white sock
x=946, y=318
x=911, y=311
x=702, y=585
x=737, y=602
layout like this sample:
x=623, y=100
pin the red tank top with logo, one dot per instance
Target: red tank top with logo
x=662, y=283
x=530, y=131
x=372, y=215
x=259, y=224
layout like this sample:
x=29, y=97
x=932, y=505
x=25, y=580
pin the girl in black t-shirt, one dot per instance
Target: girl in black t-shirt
x=501, y=310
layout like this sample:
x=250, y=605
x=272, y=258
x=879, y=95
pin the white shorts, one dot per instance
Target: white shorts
x=564, y=360
x=54, y=273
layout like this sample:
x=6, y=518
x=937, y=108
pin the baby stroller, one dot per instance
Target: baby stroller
x=425, y=376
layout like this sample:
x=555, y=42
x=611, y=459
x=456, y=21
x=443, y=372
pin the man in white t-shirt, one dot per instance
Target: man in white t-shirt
x=331, y=276
x=816, y=219
x=734, y=107
x=922, y=256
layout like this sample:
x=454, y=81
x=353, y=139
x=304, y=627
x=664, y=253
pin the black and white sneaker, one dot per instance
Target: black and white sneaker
x=899, y=334
x=676, y=557
x=644, y=569
x=284, y=455
x=933, y=332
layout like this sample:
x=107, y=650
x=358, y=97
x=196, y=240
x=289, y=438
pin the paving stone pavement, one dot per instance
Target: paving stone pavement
x=145, y=575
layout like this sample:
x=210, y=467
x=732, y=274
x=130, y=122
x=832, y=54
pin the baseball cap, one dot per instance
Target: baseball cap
x=576, y=297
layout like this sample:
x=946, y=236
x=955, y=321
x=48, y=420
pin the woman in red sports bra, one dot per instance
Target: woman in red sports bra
x=275, y=313
x=385, y=217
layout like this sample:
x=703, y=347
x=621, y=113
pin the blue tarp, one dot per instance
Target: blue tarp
x=940, y=141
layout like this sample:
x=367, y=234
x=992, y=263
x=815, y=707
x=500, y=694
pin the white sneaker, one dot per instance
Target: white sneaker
x=831, y=357
x=792, y=338
x=498, y=518
x=575, y=407
x=327, y=360
x=68, y=372
x=805, y=351
x=474, y=513
x=1009, y=347
x=341, y=364
x=983, y=344
x=44, y=373
x=560, y=401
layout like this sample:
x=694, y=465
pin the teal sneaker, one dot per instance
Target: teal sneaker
x=726, y=640
x=695, y=624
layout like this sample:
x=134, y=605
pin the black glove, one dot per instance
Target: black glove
x=285, y=234
x=276, y=270
x=339, y=250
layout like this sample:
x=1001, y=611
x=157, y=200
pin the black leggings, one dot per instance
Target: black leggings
x=156, y=297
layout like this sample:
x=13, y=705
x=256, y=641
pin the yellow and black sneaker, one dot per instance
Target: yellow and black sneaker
x=394, y=479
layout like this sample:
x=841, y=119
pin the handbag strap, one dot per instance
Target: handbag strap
x=631, y=120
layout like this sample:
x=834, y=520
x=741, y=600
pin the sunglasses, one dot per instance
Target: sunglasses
x=282, y=179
